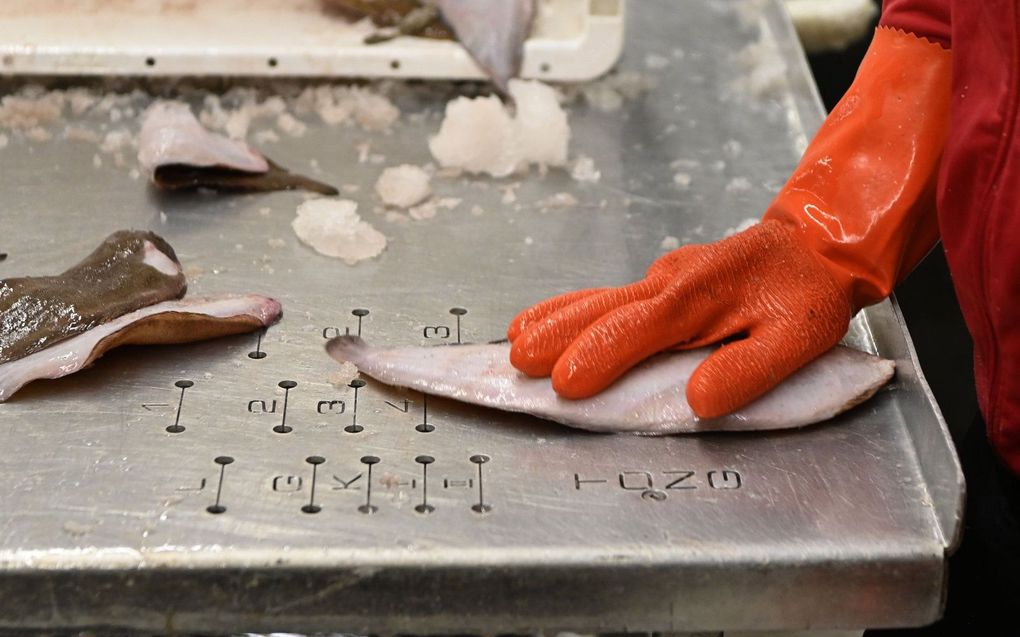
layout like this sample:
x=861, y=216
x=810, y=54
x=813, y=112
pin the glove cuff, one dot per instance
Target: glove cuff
x=863, y=196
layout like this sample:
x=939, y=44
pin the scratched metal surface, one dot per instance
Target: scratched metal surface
x=105, y=515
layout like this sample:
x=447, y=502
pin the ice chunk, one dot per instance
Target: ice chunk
x=266, y=136
x=509, y=193
x=669, y=243
x=559, y=200
x=343, y=376
x=609, y=93
x=682, y=180
x=116, y=140
x=656, y=62
x=38, y=134
x=291, y=125
x=79, y=134
x=738, y=184
x=477, y=135
x=403, y=186
x=767, y=72
x=584, y=169
x=543, y=129
x=425, y=211
x=372, y=111
x=480, y=135
x=332, y=227
x=449, y=203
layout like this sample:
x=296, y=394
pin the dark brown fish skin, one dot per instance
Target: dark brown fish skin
x=184, y=176
x=390, y=13
x=36, y=312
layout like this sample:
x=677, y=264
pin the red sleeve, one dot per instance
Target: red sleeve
x=925, y=18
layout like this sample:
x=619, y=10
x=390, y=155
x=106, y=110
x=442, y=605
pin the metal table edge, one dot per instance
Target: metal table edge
x=936, y=457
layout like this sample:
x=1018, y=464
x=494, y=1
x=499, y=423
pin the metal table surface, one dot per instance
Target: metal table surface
x=104, y=515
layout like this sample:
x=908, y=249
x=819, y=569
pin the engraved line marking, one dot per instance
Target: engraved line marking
x=683, y=475
x=262, y=408
x=177, y=428
x=481, y=507
x=287, y=484
x=646, y=478
x=368, y=507
x=405, y=408
x=425, y=507
x=218, y=508
x=425, y=427
x=148, y=406
x=201, y=486
x=354, y=427
x=346, y=485
x=578, y=481
x=311, y=507
x=283, y=427
x=258, y=354
x=458, y=312
x=360, y=313
x=726, y=483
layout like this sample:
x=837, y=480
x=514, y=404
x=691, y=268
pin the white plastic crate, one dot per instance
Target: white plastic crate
x=572, y=40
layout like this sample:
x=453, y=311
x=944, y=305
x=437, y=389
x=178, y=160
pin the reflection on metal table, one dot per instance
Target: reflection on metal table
x=230, y=486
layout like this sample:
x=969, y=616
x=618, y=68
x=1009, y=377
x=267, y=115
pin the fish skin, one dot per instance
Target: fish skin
x=181, y=321
x=493, y=32
x=172, y=135
x=176, y=152
x=650, y=399
x=129, y=270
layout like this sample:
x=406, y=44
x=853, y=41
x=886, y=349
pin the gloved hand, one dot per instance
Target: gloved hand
x=762, y=283
x=856, y=216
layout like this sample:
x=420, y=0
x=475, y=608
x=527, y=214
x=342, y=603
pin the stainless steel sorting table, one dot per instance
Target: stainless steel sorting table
x=108, y=519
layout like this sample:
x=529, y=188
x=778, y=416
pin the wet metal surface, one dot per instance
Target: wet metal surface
x=230, y=486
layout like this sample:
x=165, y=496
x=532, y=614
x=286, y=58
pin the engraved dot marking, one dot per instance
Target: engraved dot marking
x=311, y=507
x=217, y=508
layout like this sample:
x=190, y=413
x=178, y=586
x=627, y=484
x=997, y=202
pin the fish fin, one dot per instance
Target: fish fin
x=183, y=176
x=169, y=328
x=347, y=348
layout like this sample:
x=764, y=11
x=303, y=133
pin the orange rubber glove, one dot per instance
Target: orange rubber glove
x=855, y=217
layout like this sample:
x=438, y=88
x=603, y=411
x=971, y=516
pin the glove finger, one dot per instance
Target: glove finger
x=736, y=374
x=535, y=351
x=673, y=261
x=539, y=311
x=627, y=336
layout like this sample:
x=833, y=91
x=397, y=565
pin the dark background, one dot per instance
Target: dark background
x=926, y=297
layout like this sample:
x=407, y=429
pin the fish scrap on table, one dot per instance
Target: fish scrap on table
x=650, y=399
x=492, y=31
x=127, y=292
x=178, y=153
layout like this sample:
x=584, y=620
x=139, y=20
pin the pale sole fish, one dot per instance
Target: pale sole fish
x=493, y=32
x=650, y=399
x=176, y=152
x=169, y=322
x=171, y=135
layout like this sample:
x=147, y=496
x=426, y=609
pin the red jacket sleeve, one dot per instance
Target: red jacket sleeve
x=928, y=19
